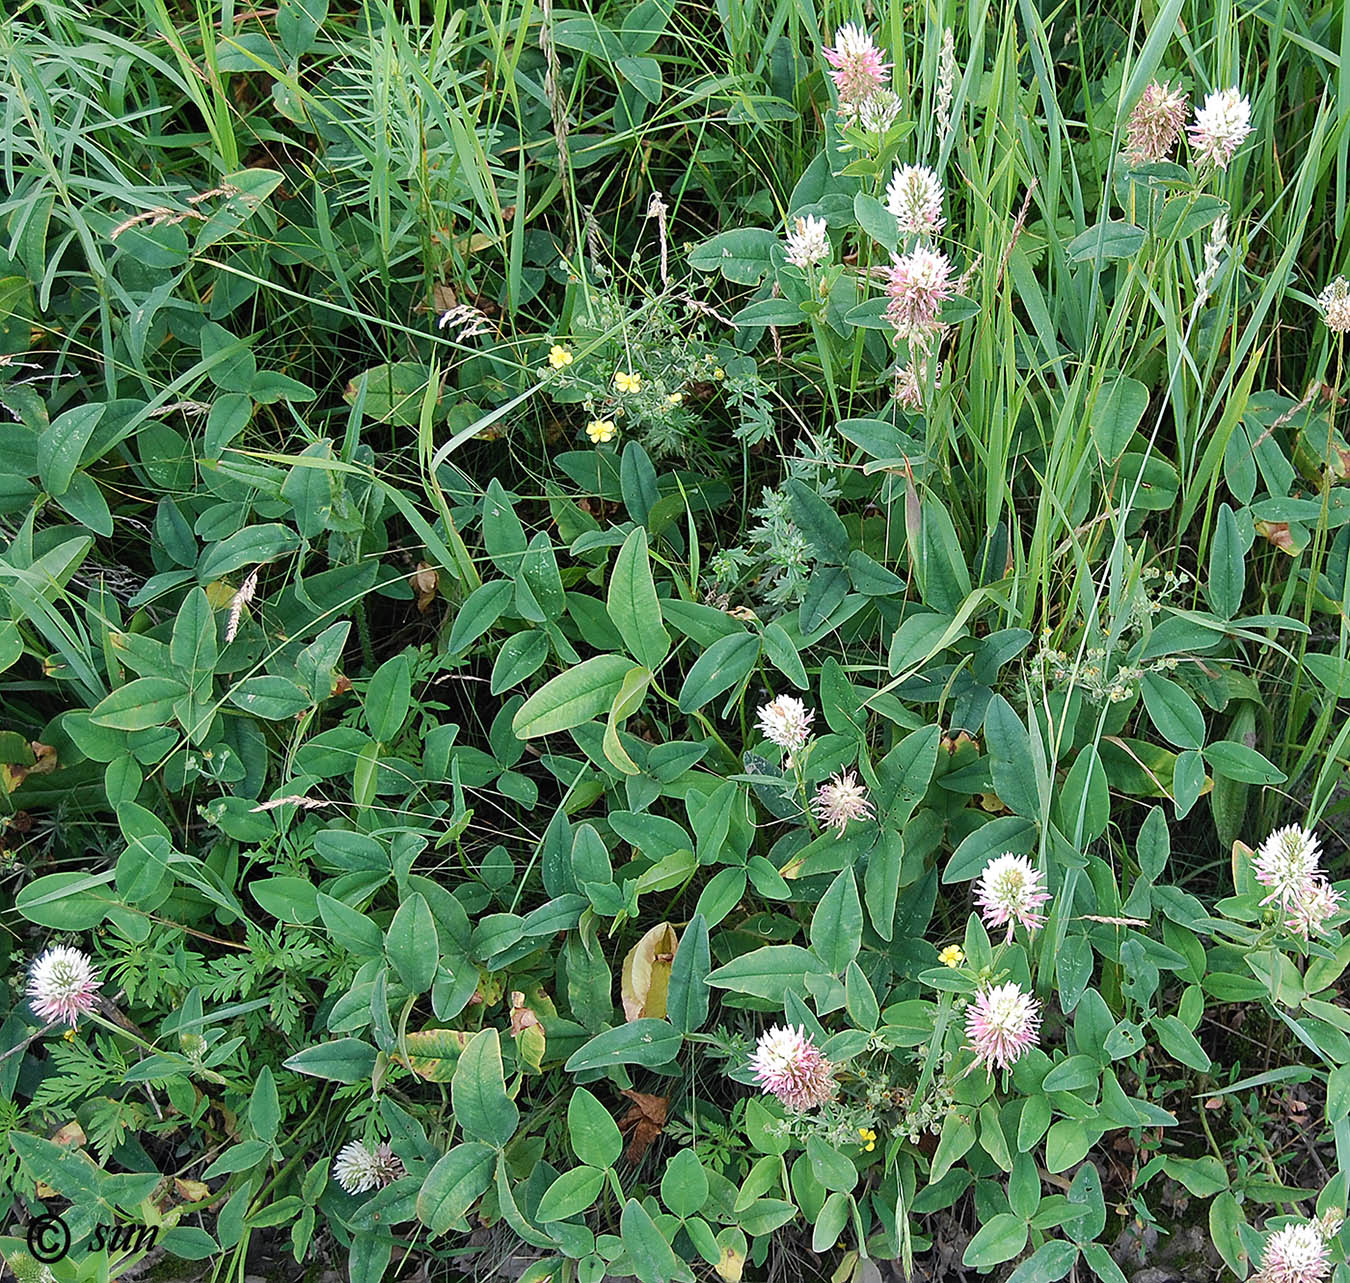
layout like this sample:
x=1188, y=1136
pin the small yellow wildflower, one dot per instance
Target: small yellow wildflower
x=675, y=398
x=952, y=956
x=719, y=373
x=601, y=431
x=626, y=381
x=869, y=1137
x=559, y=357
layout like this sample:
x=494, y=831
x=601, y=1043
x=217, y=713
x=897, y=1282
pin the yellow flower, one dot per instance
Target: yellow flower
x=869, y=1138
x=601, y=431
x=719, y=373
x=675, y=398
x=952, y=956
x=559, y=357
x=626, y=381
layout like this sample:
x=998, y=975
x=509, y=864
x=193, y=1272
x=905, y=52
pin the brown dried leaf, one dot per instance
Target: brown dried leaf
x=522, y=1017
x=424, y=581
x=69, y=1134
x=1279, y=534
x=645, y=1120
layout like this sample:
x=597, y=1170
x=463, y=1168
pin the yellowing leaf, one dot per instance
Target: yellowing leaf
x=530, y=1046
x=646, y=973
x=220, y=593
x=434, y=1053
x=733, y=1245
x=191, y=1191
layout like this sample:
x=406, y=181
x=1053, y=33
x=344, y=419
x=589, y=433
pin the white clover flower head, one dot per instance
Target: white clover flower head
x=878, y=113
x=786, y=721
x=62, y=984
x=1335, y=304
x=1155, y=123
x=1011, y=890
x=1221, y=126
x=358, y=1168
x=808, y=242
x=914, y=196
x=1286, y=863
x=1296, y=1254
x=1002, y=1023
x=788, y=1064
x=841, y=799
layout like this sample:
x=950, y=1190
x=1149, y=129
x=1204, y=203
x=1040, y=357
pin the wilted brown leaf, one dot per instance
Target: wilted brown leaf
x=424, y=581
x=69, y=1134
x=643, y=1123
x=522, y=1017
x=44, y=762
x=1279, y=534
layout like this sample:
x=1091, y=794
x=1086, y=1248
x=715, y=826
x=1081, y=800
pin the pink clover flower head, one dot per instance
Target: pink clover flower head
x=1221, y=126
x=841, y=799
x=911, y=383
x=1296, y=1254
x=62, y=984
x=358, y=1168
x=788, y=1064
x=1011, y=890
x=1002, y=1023
x=1315, y=904
x=786, y=721
x=856, y=66
x=1155, y=124
x=917, y=284
x=914, y=196
x=1286, y=863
